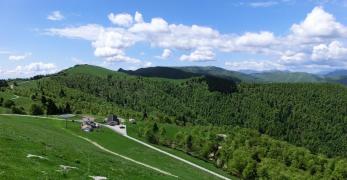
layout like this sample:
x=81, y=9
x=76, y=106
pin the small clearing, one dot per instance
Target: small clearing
x=98, y=177
x=35, y=156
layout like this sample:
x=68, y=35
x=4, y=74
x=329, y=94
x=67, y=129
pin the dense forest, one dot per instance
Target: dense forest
x=243, y=152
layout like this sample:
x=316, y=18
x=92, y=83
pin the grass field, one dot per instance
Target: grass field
x=20, y=136
x=132, y=130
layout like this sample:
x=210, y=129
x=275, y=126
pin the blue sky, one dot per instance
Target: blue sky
x=38, y=37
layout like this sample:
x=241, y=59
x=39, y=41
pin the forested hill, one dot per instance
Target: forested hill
x=288, y=77
x=219, y=72
x=215, y=82
x=339, y=76
x=188, y=72
x=308, y=115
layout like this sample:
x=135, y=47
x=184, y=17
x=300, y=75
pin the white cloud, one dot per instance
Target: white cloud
x=138, y=17
x=123, y=19
x=147, y=64
x=19, y=57
x=55, y=16
x=199, y=55
x=263, y=3
x=87, y=32
x=258, y=65
x=29, y=70
x=291, y=57
x=37, y=68
x=332, y=51
x=263, y=38
x=157, y=25
x=287, y=51
x=319, y=24
x=122, y=58
x=166, y=54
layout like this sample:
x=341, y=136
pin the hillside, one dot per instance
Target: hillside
x=161, y=72
x=219, y=72
x=51, y=145
x=288, y=77
x=338, y=76
x=336, y=73
x=224, y=84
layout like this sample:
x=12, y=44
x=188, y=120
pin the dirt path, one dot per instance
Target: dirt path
x=177, y=158
x=126, y=158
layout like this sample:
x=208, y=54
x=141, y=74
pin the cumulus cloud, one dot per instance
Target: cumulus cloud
x=55, y=16
x=333, y=51
x=123, y=19
x=200, y=54
x=296, y=48
x=259, y=65
x=29, y=70
x=320, y=24
x=138, y=17
x=291, y=57
x=156, y=25
x=19, y=57
x=263, y=38
x=166, y=54
x=88, y=32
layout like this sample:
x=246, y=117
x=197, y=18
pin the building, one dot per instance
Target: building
x=88, y=124
x=112, y=120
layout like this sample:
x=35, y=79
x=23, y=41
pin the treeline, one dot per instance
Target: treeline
x=245, y=153
x=308, y=115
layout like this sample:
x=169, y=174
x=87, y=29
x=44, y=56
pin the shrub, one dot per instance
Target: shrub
x=18, y=110
x=9, y=103
x=36, y=109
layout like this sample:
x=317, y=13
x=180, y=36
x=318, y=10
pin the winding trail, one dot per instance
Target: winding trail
x=138, y=141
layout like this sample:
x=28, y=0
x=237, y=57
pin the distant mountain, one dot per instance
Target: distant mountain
x=338, y=76
x=337, y=73
x=161, y=72
x=288, y=77
x=219, y=72
x=214, y=82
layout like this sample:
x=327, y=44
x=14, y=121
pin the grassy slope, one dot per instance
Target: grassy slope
x=21, y=136
x=171, y=130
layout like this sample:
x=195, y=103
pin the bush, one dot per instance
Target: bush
x=36, y=109
x=18, y=110
x=9, y=103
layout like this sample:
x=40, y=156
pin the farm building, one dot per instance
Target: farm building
x=88, y=124
x=112, y=120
